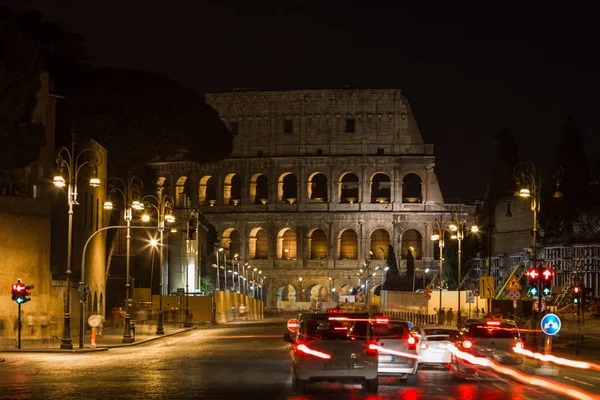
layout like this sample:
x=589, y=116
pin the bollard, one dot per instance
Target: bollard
x=93, y=340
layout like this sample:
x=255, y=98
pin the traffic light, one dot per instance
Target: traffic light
x=533, y=279
x=20, y=292
x=576, y=295
x=547, y=275
x=191, y=231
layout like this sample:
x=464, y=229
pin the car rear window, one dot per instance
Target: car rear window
x=325, y=329
x=440, y=334
x=392, y=330
x=501, y=331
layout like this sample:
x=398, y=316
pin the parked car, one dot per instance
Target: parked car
x=333, y=347
x=491, y=339
x=434, y=344
x=398, y=349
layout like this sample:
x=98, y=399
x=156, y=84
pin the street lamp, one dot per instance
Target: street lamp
x=219, y=250
x=67, y=159
x=528, y=185
x=191, y=234
x=130, y=192
x=301, y=288
x=457, y=229
x=237, y=272
x=438, y=234
x=424, y=276
x=163, y=206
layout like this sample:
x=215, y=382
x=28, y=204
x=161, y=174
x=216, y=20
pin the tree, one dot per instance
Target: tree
x=557, y=216
x=142, y=117
x=20, y=69
x=410, y=266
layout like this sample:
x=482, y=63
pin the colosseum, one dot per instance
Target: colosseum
x=317, y=186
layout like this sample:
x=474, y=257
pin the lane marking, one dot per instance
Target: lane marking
x=582, y=382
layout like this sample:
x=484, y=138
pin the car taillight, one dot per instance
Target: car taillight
x=519, y=345
x=412, y=343
x=372, y=349
x=302, y=349
x=467, y=344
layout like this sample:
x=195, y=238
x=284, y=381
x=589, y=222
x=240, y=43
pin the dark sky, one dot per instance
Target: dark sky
x=467, y=71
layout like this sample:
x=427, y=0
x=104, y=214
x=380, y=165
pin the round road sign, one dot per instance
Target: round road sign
x=550, y=324
x=514, y=295
x=292, y=325
x=536, y=305
x=427, y=296
x=476, y=292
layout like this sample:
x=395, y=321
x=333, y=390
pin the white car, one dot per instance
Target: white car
x=333, y=347
x=434, y=345
x=398, y=350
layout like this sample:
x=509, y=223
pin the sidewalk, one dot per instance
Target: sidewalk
x=110, y=338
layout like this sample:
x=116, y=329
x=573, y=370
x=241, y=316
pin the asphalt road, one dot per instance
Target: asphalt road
x=248, y=361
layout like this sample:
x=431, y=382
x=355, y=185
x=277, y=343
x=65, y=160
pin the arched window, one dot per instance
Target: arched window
x=348, y=188
x=348, y=249
x=412, y=188
x=318, y=245
x=412, y=241
x=286, y=244
x=317, y=188
x=380, y=240
x=183, y=193
x=288, y=188
x=286, y=293
x=232, y=191
x=207, y=190
x=380, y=188
x=262, y=245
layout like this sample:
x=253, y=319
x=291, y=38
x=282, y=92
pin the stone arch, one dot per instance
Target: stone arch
x=412, y=188
x=348, y=245
x=161, y=190
x=346, y=290
x=183, y=192
x=317, y=187
x=286, y=292
x=287, y=188
x=381, y=185
x=316, y=293
x=232, y=189
x=207, y=190
x=317, y=245
x=412, y=241
x=259, y=244
x=348, y=188
x=231, y=240
x=287, y=244
x=259, y=189
x=379, y=242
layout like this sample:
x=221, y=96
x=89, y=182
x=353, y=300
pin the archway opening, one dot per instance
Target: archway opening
x=348, y=249
x=412, y=188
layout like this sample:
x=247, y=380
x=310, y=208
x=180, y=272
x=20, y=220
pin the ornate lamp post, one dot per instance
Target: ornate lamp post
x=219, y=250
x=301, y=288
x=163, y=206
x=457, y=228
x=72, y=162
x=528, y=186
x=191, y=234
x=130, y=191
x=438, y=234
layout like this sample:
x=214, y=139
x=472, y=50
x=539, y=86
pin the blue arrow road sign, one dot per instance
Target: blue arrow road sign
x=550, y=324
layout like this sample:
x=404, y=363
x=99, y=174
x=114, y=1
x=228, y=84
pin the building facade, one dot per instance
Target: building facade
x=317, y=186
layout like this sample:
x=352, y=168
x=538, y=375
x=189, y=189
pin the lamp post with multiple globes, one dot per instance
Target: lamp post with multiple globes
x=73, y=163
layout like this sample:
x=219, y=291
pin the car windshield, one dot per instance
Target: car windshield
x=325, y=329
x=392, y=330
x=500, y=331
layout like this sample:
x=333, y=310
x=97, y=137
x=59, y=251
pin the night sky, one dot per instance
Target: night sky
x=467, y=72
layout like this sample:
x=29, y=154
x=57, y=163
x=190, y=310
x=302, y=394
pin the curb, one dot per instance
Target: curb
x=136, y=343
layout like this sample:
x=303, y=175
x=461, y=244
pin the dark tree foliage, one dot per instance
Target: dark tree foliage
x=450, y=264
x=558, y=215
x=410, y=266
x=142, y=117
x=504, y=156
x=21, y=138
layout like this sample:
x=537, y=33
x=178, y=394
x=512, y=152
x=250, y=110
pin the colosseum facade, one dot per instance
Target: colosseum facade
x=318, y=184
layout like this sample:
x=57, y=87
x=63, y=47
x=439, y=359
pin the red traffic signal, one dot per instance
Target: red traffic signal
x=547, y=274
x=533, y=274
x=20, y=291
x=576, y=290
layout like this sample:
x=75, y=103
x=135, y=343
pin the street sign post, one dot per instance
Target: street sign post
x=514, y=284
x=536, y=306
x=487, y=287
x=476, y=292
x=514, y=295
x=292, y=325
x=427, y=296
x=470, y=298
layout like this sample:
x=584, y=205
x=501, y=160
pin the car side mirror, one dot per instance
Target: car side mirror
x=287, y=337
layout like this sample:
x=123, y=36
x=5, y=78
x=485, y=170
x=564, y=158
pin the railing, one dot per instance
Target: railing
x=415, y=318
